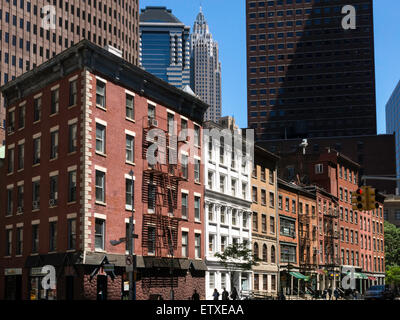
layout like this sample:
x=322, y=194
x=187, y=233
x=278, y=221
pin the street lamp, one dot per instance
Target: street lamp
x=131, y=244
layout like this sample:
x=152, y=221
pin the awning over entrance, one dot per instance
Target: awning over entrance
x=298, y=275
x=372, y=278
x=359, y=275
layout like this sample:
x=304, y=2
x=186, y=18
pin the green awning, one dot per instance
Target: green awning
x=298, y=275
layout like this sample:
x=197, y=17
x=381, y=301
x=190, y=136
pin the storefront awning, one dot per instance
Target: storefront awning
x=298, y=275
x=359, y=275
x=372, y=278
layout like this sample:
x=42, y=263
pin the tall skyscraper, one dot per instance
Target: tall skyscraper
x=206, y=68
x=393, y=123
x=165, y=46
x=307, y=75
x=25, y=42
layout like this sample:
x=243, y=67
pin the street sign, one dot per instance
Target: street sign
x=129, y=260
x=108, y=268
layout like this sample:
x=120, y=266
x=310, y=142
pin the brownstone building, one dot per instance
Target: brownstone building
x=82, y=123
x=26, y=42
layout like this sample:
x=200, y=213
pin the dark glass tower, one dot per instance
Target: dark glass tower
x=308, y=76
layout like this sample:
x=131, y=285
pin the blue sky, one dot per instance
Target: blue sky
x=227, y=21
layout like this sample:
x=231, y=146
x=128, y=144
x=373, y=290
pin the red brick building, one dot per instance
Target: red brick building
x=338, y=176
x=81, y=125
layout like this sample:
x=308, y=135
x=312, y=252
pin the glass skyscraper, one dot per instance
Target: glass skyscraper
x=393, y=123
x=165, y=46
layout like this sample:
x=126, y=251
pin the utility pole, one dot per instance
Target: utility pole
x=131, y=244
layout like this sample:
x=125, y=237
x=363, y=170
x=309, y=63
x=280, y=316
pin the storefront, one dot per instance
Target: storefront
x=13, y=284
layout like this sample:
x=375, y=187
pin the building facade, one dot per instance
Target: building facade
x=293, y=203
x=67, y=199
x=227, y=207
x=264, y=225
x=25, y=43
x=206, y=67
x=392, y=210
x=338, y=176
x=165, y=46
x=392, y=124
x=307, y=75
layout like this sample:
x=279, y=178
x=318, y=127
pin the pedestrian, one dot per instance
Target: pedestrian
x=324, y=294
x=195, y=295
x=216, y=294
x=336, y=293
x=234, y=294
x=330, y=293
x=225, y=295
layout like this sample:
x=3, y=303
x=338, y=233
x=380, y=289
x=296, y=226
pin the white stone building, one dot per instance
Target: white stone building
x=227, y=209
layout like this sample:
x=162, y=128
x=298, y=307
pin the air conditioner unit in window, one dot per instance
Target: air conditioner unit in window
x=52, y=202
x=153, y=122
x=20, y=209
x=35, y=205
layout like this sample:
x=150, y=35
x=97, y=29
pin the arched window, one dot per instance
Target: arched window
x=255, y=250
x=265, y=251
x=273, y=254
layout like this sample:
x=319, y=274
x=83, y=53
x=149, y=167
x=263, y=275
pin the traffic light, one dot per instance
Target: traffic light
x=359, y=199
x=372, y=204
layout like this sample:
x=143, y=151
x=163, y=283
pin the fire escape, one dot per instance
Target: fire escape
x=160, y=193
x=331, y=237
x=305, y=242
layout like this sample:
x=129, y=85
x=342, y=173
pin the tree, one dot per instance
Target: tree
x=237, y=256
x=392, y=245
x=393, y=275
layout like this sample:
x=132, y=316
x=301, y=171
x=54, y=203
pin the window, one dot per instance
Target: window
x=263, y=197
x=99, y=234
x=130, y=109
x=129, y=192
x=255, y=221
x=319, y=168
x=100, y=186
x=21, y=117
x=10, y=160
x=53, y=190
x=197, y=170
x=8, y=242
x=196, y=135
x=130, y=147
x=234, y=217
x=185, y=244
x=20, y=241
x=72, y=186
x=210, y=179
x=272, y=224
x=100, y=138
x=223, y=243
x=271, y=199
x=71, y=234
x=287, y=228
x=53, y=144
x=185, y=162
x=10, y=201
x=221, y=150
x=73, y=93
x=211, y=243
x=53, y=236
x=197, y=208
x=254, y=194
x=264, y=223
x=72, y=138
x=223, y=215
x=151, y=112
x=210, y=212
x=54, y=101
x=35, y=238
x=288, y=254
x=197, y=245
x=151, y=240
x=245, y=220
x=212, y=280
x=244, y=190
x=36, y=150
x=265, y=254
x=20, y=198
x=21, y=156
x=184, y=206
x=100, y=93
x=222, y=183
x=35, y=195
x=37, y=108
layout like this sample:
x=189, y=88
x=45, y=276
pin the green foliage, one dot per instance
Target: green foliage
x=392, y=245
x=393, y=275
x=237, y=256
